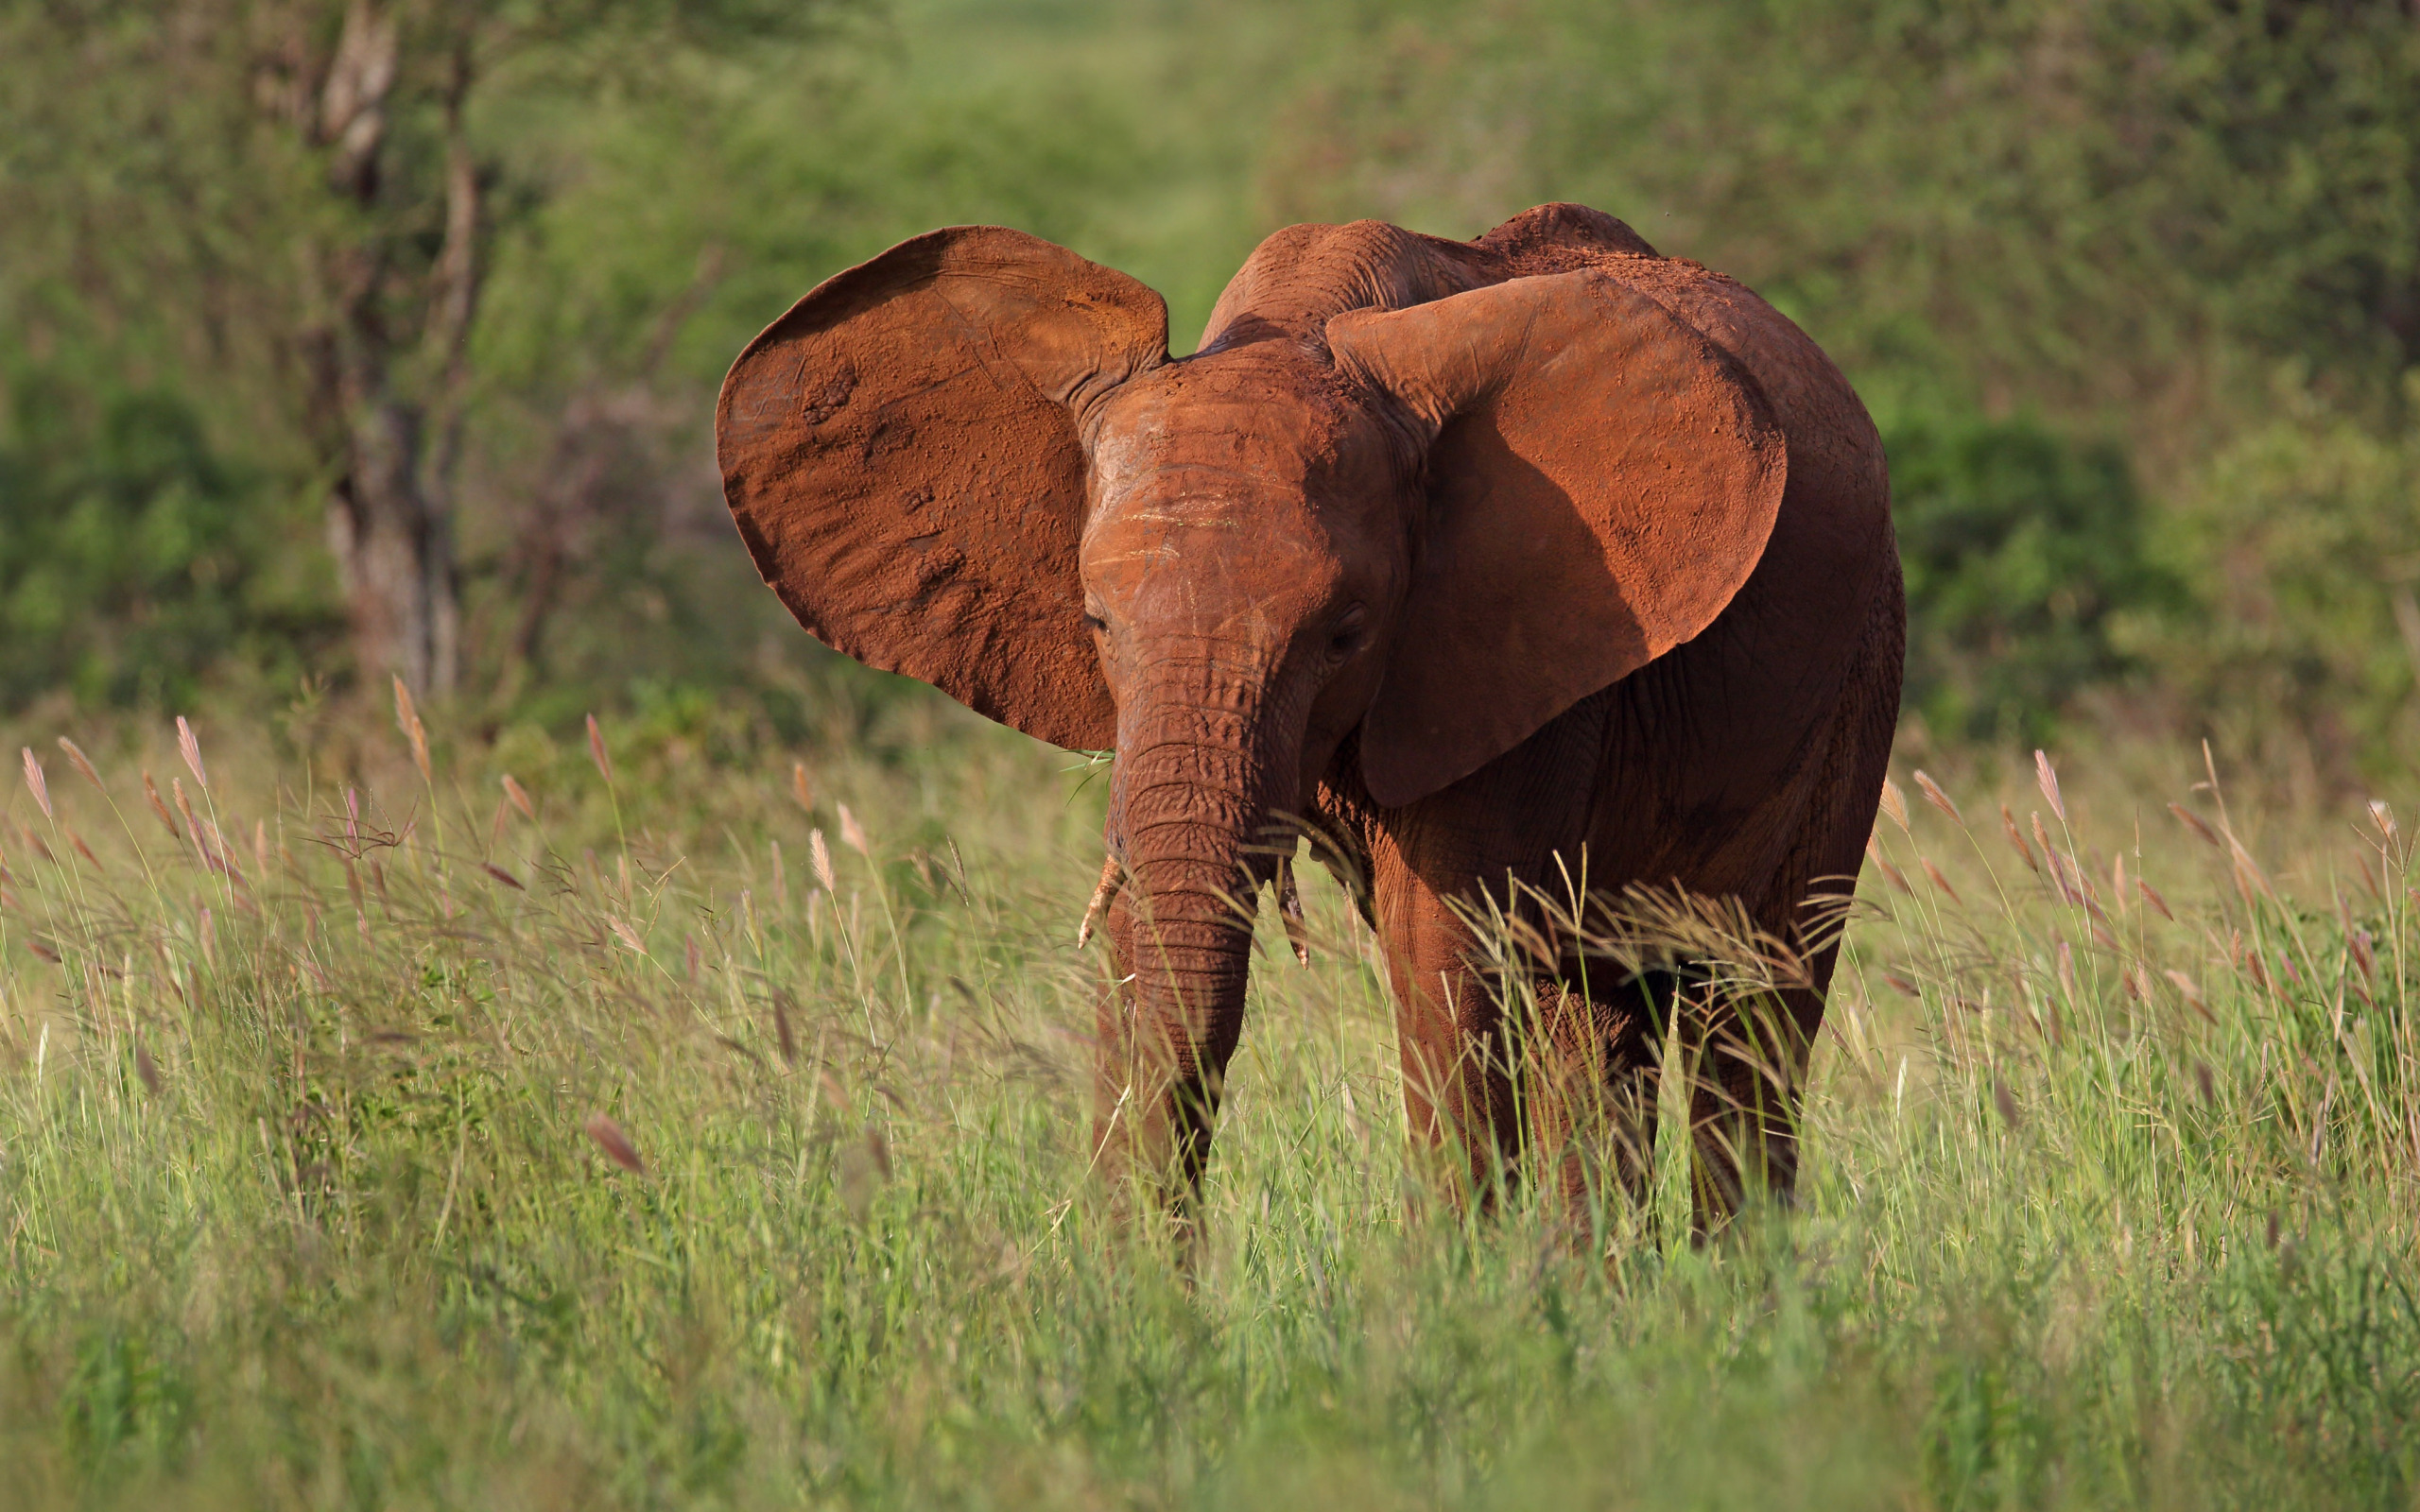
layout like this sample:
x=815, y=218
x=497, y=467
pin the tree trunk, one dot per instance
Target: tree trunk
x=392, y=454
x=395, y=551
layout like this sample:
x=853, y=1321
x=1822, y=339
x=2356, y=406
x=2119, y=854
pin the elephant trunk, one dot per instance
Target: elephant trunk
x=1189, y=819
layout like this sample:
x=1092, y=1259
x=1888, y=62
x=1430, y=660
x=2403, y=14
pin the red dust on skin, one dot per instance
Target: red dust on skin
x=1487, y=562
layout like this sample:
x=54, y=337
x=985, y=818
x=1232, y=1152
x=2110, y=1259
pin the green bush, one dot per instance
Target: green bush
x=2023, y=552
x=134, y=557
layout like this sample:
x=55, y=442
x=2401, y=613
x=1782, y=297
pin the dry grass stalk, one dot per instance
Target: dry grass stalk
x=1939, y=799
x=819, y=855
x=781, y=878
x=83, y=763
x=34, y=783
x=615, y=1143
x=2047, y=780
x=626, y=935
x=191, y=750
x=184, y=806
x=2383, y=818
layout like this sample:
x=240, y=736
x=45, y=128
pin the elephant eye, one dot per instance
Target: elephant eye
x=1345, y=637
x=1095, y=623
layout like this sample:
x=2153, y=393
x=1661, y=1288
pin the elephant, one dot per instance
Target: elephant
x=1481, y=564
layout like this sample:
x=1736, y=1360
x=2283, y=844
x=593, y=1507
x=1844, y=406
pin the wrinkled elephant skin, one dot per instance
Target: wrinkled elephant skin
x=1489, y=564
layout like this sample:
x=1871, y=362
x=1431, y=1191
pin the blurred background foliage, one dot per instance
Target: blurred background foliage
x=2132, y=287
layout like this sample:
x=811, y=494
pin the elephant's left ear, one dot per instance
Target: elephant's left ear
x=1602, y=480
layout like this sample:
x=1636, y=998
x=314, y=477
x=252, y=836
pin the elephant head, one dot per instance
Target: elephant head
x=1411, y=499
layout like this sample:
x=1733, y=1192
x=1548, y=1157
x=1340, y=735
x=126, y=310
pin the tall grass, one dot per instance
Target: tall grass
x=673, y=1129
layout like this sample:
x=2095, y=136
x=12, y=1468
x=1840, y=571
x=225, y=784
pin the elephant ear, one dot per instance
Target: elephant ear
x=1602, y=480
x=901, y=453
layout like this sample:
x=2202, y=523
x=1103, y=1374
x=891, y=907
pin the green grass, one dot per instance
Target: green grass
x=301, y=1208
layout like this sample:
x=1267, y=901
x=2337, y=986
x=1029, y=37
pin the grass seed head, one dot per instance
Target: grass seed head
x=2383, y=818
x=34, y=783
x=2006, y=1102
x=819, y=855
x=2193, y=822
x=1939, y=799
x=2047, y=780
x=82, y=763
x=407, y=720
x=520, y=799
x=191, y=750
x=168, y=820
x=2151, y=896
x=145, y=1068
x=853, y=835
x=596, y=751
x=615, y=1143
x=1895, y=804
x=799, y=788
x=2016, y=838
x=1890, y=874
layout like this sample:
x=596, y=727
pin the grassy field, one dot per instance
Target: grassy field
x=713, y=1134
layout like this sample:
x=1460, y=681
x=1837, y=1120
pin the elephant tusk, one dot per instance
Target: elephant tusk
x=1102, y=896
x=1290, y=909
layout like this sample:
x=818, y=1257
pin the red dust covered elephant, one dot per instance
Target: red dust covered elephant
x=1488, y=564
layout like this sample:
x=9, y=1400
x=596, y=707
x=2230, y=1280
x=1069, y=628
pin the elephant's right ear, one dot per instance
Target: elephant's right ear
x=901, y=454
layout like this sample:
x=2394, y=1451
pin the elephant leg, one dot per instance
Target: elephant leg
x=1158, y=1077
x=1457, y=1087
x=1749, y=1063
x=1590, y=1091
x=1745, y=1110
